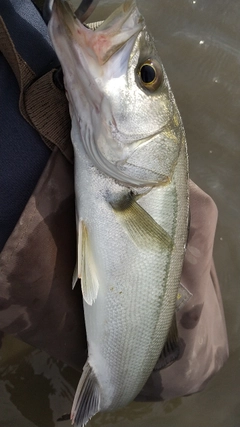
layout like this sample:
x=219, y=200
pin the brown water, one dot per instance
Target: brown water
x=199, y=42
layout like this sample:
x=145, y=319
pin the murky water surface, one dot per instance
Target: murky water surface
x=199, y=42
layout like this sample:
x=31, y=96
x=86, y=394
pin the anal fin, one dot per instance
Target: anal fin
x=87, y=398
x=77, y=270
x=85, y=268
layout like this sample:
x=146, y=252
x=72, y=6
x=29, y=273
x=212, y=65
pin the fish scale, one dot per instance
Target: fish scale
x=131, y=189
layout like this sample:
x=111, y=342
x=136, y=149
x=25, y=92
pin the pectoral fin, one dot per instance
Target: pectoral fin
x=171, y=349
x=141, y=227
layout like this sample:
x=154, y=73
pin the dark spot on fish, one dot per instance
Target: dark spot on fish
x=191, y=318
x=123, y=203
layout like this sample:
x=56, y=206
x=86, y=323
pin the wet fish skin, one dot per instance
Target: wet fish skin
x=131, y=174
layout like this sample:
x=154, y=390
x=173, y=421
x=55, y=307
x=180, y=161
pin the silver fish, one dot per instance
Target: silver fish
x=131, y=182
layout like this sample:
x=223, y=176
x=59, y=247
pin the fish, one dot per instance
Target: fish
x=132, y=201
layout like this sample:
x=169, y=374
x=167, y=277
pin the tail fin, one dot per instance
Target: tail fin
x=87, y=398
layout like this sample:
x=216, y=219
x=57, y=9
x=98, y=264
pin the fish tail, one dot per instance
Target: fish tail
x=87, y=398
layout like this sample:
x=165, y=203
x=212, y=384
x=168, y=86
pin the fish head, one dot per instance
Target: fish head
x=119, y=92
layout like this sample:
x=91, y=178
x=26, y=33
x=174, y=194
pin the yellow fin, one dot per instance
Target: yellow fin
x=141, y=227
x=89, y=279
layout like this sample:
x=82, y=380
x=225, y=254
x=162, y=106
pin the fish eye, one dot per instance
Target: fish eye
x=150, y=75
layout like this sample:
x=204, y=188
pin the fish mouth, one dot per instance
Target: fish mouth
x=108, y=38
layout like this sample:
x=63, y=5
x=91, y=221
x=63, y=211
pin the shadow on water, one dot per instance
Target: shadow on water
x=133, y=413
x=24, y=386
x=34, y=386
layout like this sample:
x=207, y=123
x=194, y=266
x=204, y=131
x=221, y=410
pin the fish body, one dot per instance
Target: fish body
x=131, y=186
